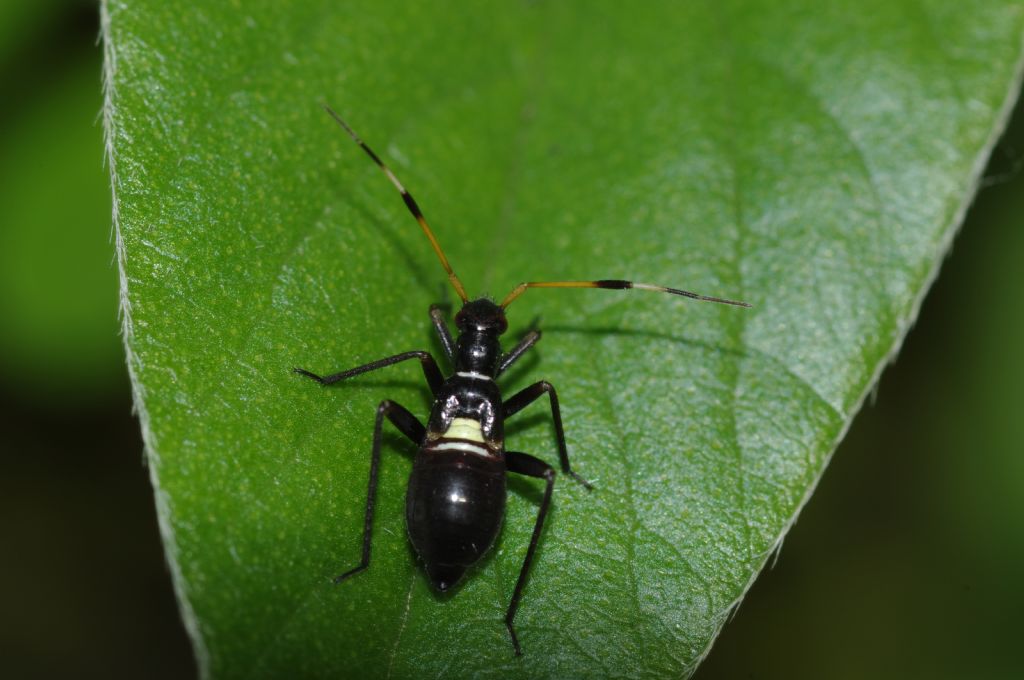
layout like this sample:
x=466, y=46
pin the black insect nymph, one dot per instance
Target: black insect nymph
x=455, y=502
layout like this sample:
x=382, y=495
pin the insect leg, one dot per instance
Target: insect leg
x=521, y=400
x=430, y=369
x=511, y=356
x=412, y=428
x=525, y=464
x=441, y=325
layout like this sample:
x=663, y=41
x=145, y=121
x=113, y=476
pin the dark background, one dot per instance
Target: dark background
x=906, y=562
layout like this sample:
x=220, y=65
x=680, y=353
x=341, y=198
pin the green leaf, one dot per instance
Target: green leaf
x=812, y=158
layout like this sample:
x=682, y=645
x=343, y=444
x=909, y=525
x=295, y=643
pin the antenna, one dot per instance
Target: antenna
x=410, y=203
x=614, y=284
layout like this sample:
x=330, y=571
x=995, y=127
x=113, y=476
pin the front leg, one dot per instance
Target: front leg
x=433, y=374
x=510, y=357
x=529, y=395
x=441, y=326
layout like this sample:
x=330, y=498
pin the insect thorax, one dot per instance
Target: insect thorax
x=468, y=408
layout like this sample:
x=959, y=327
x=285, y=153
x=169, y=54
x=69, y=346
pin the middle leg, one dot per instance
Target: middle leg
x=430, y=370
x=522, y=399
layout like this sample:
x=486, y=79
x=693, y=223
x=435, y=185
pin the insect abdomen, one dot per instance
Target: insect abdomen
x=454, y=509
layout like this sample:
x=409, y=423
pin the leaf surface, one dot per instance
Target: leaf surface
x=811, y=158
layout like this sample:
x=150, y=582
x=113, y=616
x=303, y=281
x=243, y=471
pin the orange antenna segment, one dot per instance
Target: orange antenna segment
x=614, y=284
x=410, y=203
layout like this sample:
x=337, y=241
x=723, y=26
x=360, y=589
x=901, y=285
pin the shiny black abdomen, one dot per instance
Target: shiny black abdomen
x=454, y=508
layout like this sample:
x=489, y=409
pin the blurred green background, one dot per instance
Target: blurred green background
x=906, y=562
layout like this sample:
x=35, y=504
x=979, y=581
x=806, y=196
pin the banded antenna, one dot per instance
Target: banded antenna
x=614, y=284
x=410, y=203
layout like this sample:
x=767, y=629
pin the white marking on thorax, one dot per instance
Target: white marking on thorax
x=465, y=428
x=474, y=375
